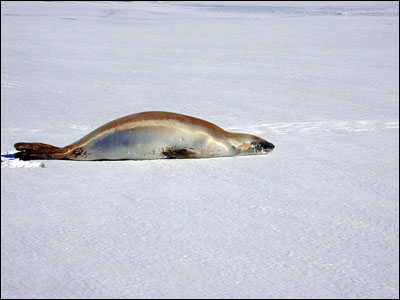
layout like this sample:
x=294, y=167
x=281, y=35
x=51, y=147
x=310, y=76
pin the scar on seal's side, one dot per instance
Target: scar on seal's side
x=151, y=135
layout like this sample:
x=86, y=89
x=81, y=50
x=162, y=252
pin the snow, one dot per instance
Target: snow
x=315, y=218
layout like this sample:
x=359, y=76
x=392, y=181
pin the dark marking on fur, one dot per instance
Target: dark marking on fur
x=179, y=153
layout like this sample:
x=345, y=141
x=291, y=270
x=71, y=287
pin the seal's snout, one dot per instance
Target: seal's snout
x=267, y=146
x=263, y=146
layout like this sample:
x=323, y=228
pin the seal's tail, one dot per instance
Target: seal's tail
x=30, y=151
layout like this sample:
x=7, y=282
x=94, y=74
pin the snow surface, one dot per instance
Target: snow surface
x=316, y=218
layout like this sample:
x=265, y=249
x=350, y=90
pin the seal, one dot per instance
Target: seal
x=151, y=135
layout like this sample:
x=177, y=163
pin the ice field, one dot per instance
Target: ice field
x=315, y=218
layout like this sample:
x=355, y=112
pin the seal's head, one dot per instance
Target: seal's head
x=247, y=144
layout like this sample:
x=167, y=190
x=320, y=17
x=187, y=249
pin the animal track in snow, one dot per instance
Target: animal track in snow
x=320, y=126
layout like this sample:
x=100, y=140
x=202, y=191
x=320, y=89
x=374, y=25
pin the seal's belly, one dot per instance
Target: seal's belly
x=152, y=143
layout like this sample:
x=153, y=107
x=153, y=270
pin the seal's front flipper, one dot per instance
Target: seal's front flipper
x=180, y=153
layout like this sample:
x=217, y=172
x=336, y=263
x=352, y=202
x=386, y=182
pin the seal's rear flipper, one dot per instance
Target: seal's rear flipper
x=24, y=155
x=30, y=151
x=180, y=153
x=39, y=147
